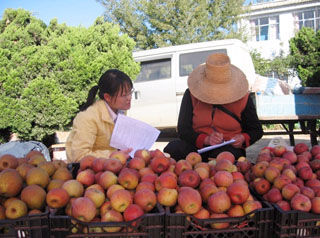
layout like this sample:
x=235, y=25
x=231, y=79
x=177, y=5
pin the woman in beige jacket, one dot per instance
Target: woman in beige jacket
x=93, y=125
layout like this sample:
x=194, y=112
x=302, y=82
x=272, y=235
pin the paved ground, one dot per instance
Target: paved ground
x=253, y=150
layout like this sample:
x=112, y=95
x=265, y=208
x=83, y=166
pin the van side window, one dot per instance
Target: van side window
x=189, y=61
x=154, y=70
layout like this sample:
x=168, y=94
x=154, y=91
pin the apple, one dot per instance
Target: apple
x=132, y=212
x=207, y=190
x=276, y=163
x=159, y=164
x=145, y=185
x=182, y=165
x=149, y=178
x=261, y=185
x=143, y=154
x=112, y=216
x=8, y=161
x=194, y=158
x=202, y=214
x=238, y=193
x=226, y=155
x=121, y=199
x=284, y=205
x=57, y=198
x=315, y=150
x=189, y=200
x=291, y=156
x=86, y=162
x=259, y=168
x=300, y=148
x=62, y=173
x=290, y=166
x=302, y=164
x=289, y=190
x=98, y=165
x=156, y=153
x=37, y=176
x=34, y=196
x=223, y=179
x=205, y=182
x=167, y=197
x=97, y=186
x=305, y=173
x=281, y=181
x=237, y=175
x=113, y=165
x=96, y=196
x=165, y=180
x=36, y=159
x=48, y=166
x=204, y=165
x=10, y=183
x=112, y=189
x=224, y=165
x=59, y=163
x=307, y=154
x=86, y=177
x=271, y=173
x=55, y=183
x=244, y=166
x=203, y=173
x=189, y=178
x=107, y=178
x=308, y=192
x=16, y=209
x=106, y=206
x=300, y=202
x=219, y=202
x=290, y=173
x=279, y=150
x=218, y=224
x=274, y=195
x=83, y=209
x=23, y=169
x=299, y=182
x=128, y=178
x=250, y=206
x=315, y=164
x=120, y=155
x=302, y=157
x=73, y=187
x=236, y=211
x=315, y=205
x=264, y=156
x=137, y=163
x=146, y=199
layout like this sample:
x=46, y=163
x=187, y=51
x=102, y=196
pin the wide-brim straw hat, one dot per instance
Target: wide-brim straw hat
x=217, y=81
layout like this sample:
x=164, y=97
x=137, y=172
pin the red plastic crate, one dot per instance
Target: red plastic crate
x=149, y=225
x=28, y=226
x=256, y=224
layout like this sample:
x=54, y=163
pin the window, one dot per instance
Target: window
x=265, y=28
x=189, y=61
x=154, y=70
x=310, y=18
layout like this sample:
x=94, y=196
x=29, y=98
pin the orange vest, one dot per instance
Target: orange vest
x=203, y=122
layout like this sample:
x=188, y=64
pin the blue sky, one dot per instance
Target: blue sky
x=71, y=12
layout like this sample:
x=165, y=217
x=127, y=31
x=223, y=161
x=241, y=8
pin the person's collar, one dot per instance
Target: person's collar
x=113, y=115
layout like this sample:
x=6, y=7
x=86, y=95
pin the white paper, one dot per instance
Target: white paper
x=132, y=133
x=205, y=149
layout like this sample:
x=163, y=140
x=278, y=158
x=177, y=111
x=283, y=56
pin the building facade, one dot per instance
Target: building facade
x=271, y=24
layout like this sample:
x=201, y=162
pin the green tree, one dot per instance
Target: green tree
x=261, y=65
x=46, y=71
x=305, y=52
x=158, y=23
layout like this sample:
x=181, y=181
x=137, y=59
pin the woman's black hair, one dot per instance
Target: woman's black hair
x=110, y=82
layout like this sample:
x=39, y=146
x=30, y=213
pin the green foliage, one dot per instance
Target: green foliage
x=305, y=52
x=159, y=23
x=261, y=65
x=46, y=71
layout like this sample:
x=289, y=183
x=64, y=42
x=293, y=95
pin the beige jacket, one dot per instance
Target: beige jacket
x=91, y=133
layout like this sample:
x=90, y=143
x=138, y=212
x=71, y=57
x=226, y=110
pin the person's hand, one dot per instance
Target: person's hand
x=239, y=139
x=214, y=138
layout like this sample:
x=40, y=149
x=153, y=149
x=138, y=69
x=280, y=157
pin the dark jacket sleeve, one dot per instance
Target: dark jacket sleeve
x=185, y=129
x=250, y=122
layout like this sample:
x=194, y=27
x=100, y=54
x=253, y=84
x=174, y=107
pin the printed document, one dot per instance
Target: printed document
x=132, y=133
x=205, y=149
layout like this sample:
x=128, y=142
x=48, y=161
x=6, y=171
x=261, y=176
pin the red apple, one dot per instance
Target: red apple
x=143, y=154
x=145, y=185
x=189, y=178
x=290, y=174
x=137, y=163
x=274, y=195
x=315, y=205
x=86, y=177
x=300, y=148
x=300, y=202
x=291, y=156
x=112, y=189
x=203, y=173
x=57, y=198
x=108, y=178
x=236, y=211
x=159, y=164
x=218, y=224
x=238, y=193
x=224, y=165
x=305, y=173
x=261, y=185
x=112, y=216
x=120, y=155
x=121, y=199
x=244, y=166
x=149, y=178
x=223, y=179
x=132, y=212
x=128, y=178
x=284, y=205
x=146, y=199
x=279, y=150
x=219, y=202
x=113, y=165
x=189, y=200
x=207, y=190
x=98, y=164
x=315, y=150
x=250, y=206
x=83, y=209
x=308, y=192
x=182, y=165
x=194, y=158
x=259, y=168
x=289, y=190
x=281, y=181
x=86, y=162
x=167, y=197
x=202, y=214
x=271, y=173
x=165, y=180
x=226, y=155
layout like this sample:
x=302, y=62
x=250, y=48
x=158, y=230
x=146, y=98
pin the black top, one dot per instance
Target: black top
x=249, y=121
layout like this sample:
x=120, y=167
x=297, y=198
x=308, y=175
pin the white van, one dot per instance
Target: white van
x=162, y=81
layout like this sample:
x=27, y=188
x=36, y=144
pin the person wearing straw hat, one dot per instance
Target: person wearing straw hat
x=215, y=108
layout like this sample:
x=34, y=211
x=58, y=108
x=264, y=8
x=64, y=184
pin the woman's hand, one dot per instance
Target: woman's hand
x=214, y=138
x=239, y=140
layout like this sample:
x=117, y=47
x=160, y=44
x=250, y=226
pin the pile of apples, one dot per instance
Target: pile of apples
x=25, y=183
x=290, y=179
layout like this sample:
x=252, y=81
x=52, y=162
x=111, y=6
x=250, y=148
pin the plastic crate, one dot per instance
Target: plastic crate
x=256, y=224
x=28, y=226
x=149, y=225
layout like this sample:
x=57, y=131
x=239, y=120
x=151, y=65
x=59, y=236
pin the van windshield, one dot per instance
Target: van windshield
x=189, y=61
